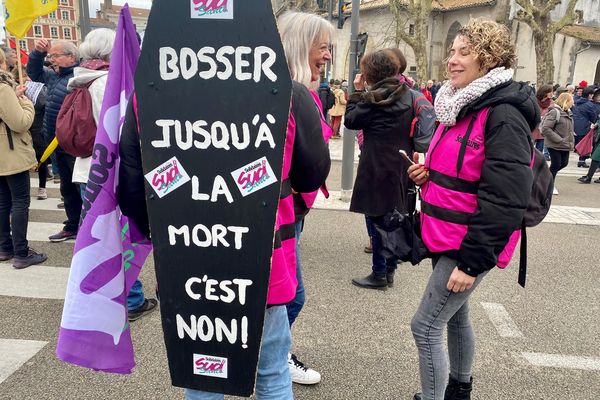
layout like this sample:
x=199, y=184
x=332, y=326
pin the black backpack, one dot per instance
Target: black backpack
x=538, y=206
x=327, y=98
x=539, y=199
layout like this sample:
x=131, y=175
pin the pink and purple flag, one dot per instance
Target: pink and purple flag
x=107, y=258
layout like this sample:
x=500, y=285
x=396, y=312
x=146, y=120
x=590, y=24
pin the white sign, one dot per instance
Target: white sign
x=210, y=366
x=254, y=176
x=167, y=177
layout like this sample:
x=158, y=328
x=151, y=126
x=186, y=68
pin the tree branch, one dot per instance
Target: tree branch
x=567, y=19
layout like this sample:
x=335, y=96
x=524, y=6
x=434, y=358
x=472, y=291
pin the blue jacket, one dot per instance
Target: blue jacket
x=57, y=89
x=585, y=113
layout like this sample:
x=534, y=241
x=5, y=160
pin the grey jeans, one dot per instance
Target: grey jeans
x=439, y=308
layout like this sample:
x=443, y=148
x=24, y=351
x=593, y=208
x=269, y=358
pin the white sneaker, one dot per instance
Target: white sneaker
x=555, y=191
x=301, y=374
x=42, y=194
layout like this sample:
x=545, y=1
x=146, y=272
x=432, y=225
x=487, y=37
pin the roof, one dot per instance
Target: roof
x=438, y=5
x=135, y=12
x=586, y=33
x=101, y=22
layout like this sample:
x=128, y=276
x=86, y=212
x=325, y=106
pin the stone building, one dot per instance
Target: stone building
x=109, y=15
x=576, y=47
x=63, y=24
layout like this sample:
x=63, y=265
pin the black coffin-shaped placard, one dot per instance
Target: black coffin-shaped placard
x=213, y=94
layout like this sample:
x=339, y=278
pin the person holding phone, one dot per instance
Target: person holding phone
x=476, y=183
x=382, y=107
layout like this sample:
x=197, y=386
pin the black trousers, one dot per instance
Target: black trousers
x=14, y=199
x=69, y=190
x=558, y=160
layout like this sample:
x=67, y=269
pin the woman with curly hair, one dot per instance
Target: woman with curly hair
x=476, y=183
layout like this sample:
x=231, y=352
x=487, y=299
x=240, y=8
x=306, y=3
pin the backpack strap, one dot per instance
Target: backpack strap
x=11, y=144
x=523, y=256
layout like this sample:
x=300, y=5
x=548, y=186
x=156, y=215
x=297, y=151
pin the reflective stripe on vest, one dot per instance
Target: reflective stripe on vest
x=449, y=198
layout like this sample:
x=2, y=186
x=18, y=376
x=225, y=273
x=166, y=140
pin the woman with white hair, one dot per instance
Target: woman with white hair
x=92, y=73
x=306, y=40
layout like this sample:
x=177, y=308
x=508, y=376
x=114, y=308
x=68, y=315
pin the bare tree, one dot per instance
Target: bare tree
x=536, y=14
x=419, y=13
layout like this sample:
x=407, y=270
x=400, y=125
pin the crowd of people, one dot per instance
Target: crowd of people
x=478, y=130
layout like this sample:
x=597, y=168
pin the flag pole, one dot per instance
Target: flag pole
x=19, y=64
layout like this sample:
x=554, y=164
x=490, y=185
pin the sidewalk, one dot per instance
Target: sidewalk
x=559, y=214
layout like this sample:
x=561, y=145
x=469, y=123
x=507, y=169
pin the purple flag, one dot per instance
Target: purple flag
x=94, y=331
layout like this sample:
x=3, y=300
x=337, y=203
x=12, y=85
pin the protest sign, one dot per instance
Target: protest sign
x=213, y=93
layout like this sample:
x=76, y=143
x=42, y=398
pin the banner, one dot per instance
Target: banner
x=213, y=98
x=94, y=331
x=20, y=14
x=24, y=56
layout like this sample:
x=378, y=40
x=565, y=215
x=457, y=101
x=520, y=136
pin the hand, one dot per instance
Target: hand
x=358, y=82
x=42, y=45
x=20, y=91
x=417, y=172
x=459, y=281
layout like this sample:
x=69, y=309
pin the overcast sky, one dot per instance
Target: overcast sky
x=94, y=5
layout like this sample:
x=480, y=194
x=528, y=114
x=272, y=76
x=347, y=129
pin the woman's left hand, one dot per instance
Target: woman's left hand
x=358, y=82
x=20, y=91
x=459, y=281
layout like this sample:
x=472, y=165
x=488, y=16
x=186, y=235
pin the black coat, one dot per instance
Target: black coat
x=384, y=114
x=57, y=89
x=506, y=177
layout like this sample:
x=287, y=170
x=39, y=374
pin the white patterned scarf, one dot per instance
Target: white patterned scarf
x=450, y=100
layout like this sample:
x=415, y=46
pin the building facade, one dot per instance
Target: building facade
x=109, y=15
x=576, y=48
x=62, y=24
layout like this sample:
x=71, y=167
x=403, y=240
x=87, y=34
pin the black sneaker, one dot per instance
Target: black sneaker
x=371, y=282
x=147, y=307
x=585, y=179
x=389, y=275
x=582, y=164
x=6, y=255
x=62, y=236
x=32, y=258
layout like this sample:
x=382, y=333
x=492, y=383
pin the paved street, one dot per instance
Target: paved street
x=537, y=343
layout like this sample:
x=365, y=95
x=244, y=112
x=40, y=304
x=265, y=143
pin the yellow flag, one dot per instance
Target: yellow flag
x=20, y=14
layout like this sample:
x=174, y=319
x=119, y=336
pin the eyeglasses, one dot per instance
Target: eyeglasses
x=51, y=56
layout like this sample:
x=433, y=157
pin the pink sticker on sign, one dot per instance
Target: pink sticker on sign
x=167, y=177
x=254, y=176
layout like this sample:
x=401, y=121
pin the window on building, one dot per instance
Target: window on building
x=37, y=31
x=65, y=15
x=52, y=15
x=411, y=30
x=67, y=33
x=64, y=2
x=54, y=32
x=23, y=45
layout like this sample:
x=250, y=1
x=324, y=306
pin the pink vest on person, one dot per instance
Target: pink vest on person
x=448, y=198
x=283, y=282
x=309, y=198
